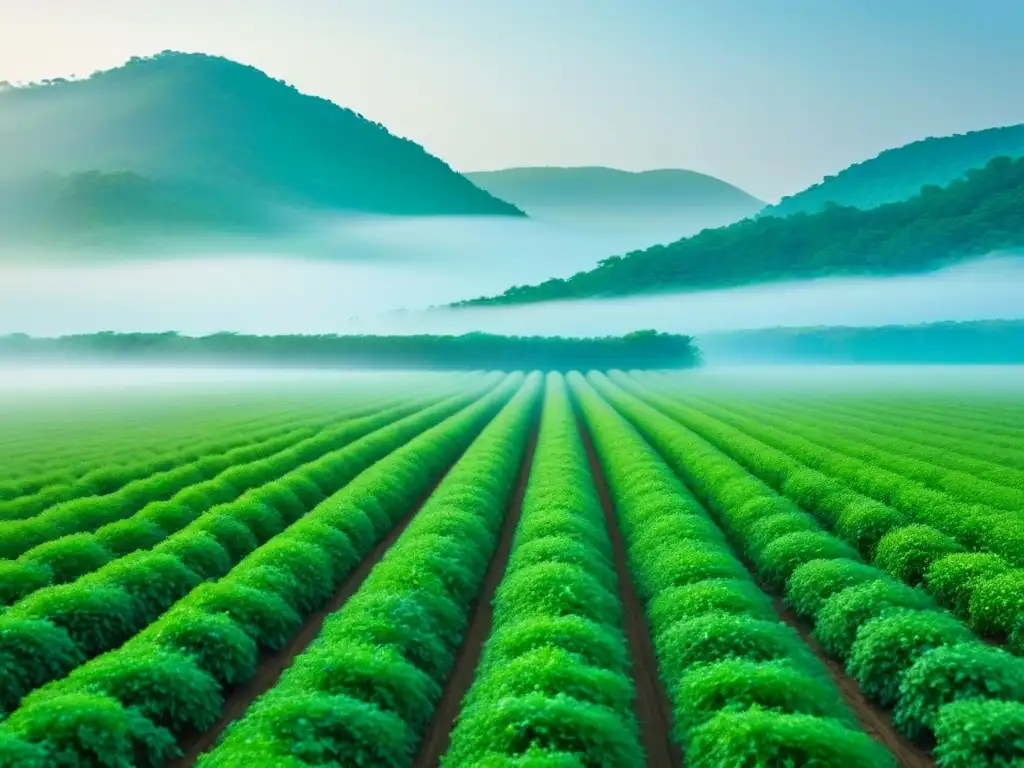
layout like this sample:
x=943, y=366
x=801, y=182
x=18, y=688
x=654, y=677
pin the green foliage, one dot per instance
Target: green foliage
x=813, y=583
x=997, y=605
x=596, y=644
x=69, y=557
x=740, y=684
x=843, y=614
x=785, y=554
x=970, y=217
x=907, y=553
x=215, y=641
x=952, y=579
x=955, y=673
x=200, y=552
x=32, y=651
x=775, y=739
x=980, y=732
x=264, y=616
x=155, y=580
x=18, y=579
x=887, y=647
x=131, y=535
x=733, y=596
x=511, y=726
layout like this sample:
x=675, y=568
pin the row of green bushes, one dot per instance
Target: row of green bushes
x=901, y=649
x=96, y=462
x=745, y=688
x=364, y=692
x=903, y=446
x=69, y=557
x=101, y=611
x=553, y=686
x=982, y=587
x=961, y=486
x=131, y=479
x=777, y=453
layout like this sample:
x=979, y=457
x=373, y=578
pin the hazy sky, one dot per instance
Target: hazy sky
x=768, y=94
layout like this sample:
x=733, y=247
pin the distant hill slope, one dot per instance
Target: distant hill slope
x=228, y=134
x=606, y=195
x=979, y=214
x=900, y=173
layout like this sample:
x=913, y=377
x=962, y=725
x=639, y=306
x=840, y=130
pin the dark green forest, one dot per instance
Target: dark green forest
x=899, y=173
x=978, y=342
x=973, y=216
x=640, y=349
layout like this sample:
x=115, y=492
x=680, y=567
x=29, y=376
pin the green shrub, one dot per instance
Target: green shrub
x=32, y=652
x=200, y=552
x=308, y=570
x=18, y=753
x=155, y=579
x=18, y=579
x=573, y=525
x=712, y=596
x=339, y=547
x=260, y=518
x=97, y=618
x=955, y=673
x=165, y=686
x=375, y=675
x=997, y=605
x=888, y=646
x=552, y=671
x=70, y=556
x=952, y=579
x=553, y=589
x=686, y=563
x=217, y=643
x=560, y=549
x=353, y=523
x=758, y=738
x=131, y=535
x=309, y=493
x=559, y=724
x=19, y=536
x=974, y=733
x=264, y=616
x=863, y=523
x=320, y=729
x=717, y=637
x=740, y=684
x=597, y=644
x=843, y=614
x=768, y=529
x=906, y=553
x=814, y=582
x=670, y=530
x=780, y=558
x=282, y=499
x=81, y=730
x=236, y=538
x=170, y=515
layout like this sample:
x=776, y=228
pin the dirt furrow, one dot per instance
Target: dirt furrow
x=273, y=665
x=435, y=742
x=653, y=711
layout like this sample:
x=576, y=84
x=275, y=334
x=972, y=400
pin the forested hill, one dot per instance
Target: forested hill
x=688, y=200
x=227, y=134
x=971, y=217
x=900, y=173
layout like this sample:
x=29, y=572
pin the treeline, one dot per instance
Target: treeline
x=980, y=342
x=640, y=349
x=973, y=216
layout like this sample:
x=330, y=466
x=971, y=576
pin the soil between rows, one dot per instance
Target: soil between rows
x=273, y=665
x=652, y=708
x=435, y=742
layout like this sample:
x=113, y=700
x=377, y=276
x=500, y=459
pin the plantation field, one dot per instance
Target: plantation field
x=487, y=569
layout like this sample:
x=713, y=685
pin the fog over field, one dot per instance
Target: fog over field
x=382, y=272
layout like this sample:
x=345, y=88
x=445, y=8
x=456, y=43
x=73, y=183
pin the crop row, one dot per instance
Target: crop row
x=900, y=648
x=113, y=477
x=971, y=574
x=57, y=628
x=365, y=690
x=897, y=441
x=745, y=687
x=68, y=557
x=554, y=683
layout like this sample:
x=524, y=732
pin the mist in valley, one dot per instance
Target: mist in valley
x=382, y=275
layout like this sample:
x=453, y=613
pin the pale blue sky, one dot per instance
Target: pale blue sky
x=768, y=94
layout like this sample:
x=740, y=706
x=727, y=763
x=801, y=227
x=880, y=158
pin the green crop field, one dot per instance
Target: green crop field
x=489, y=570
